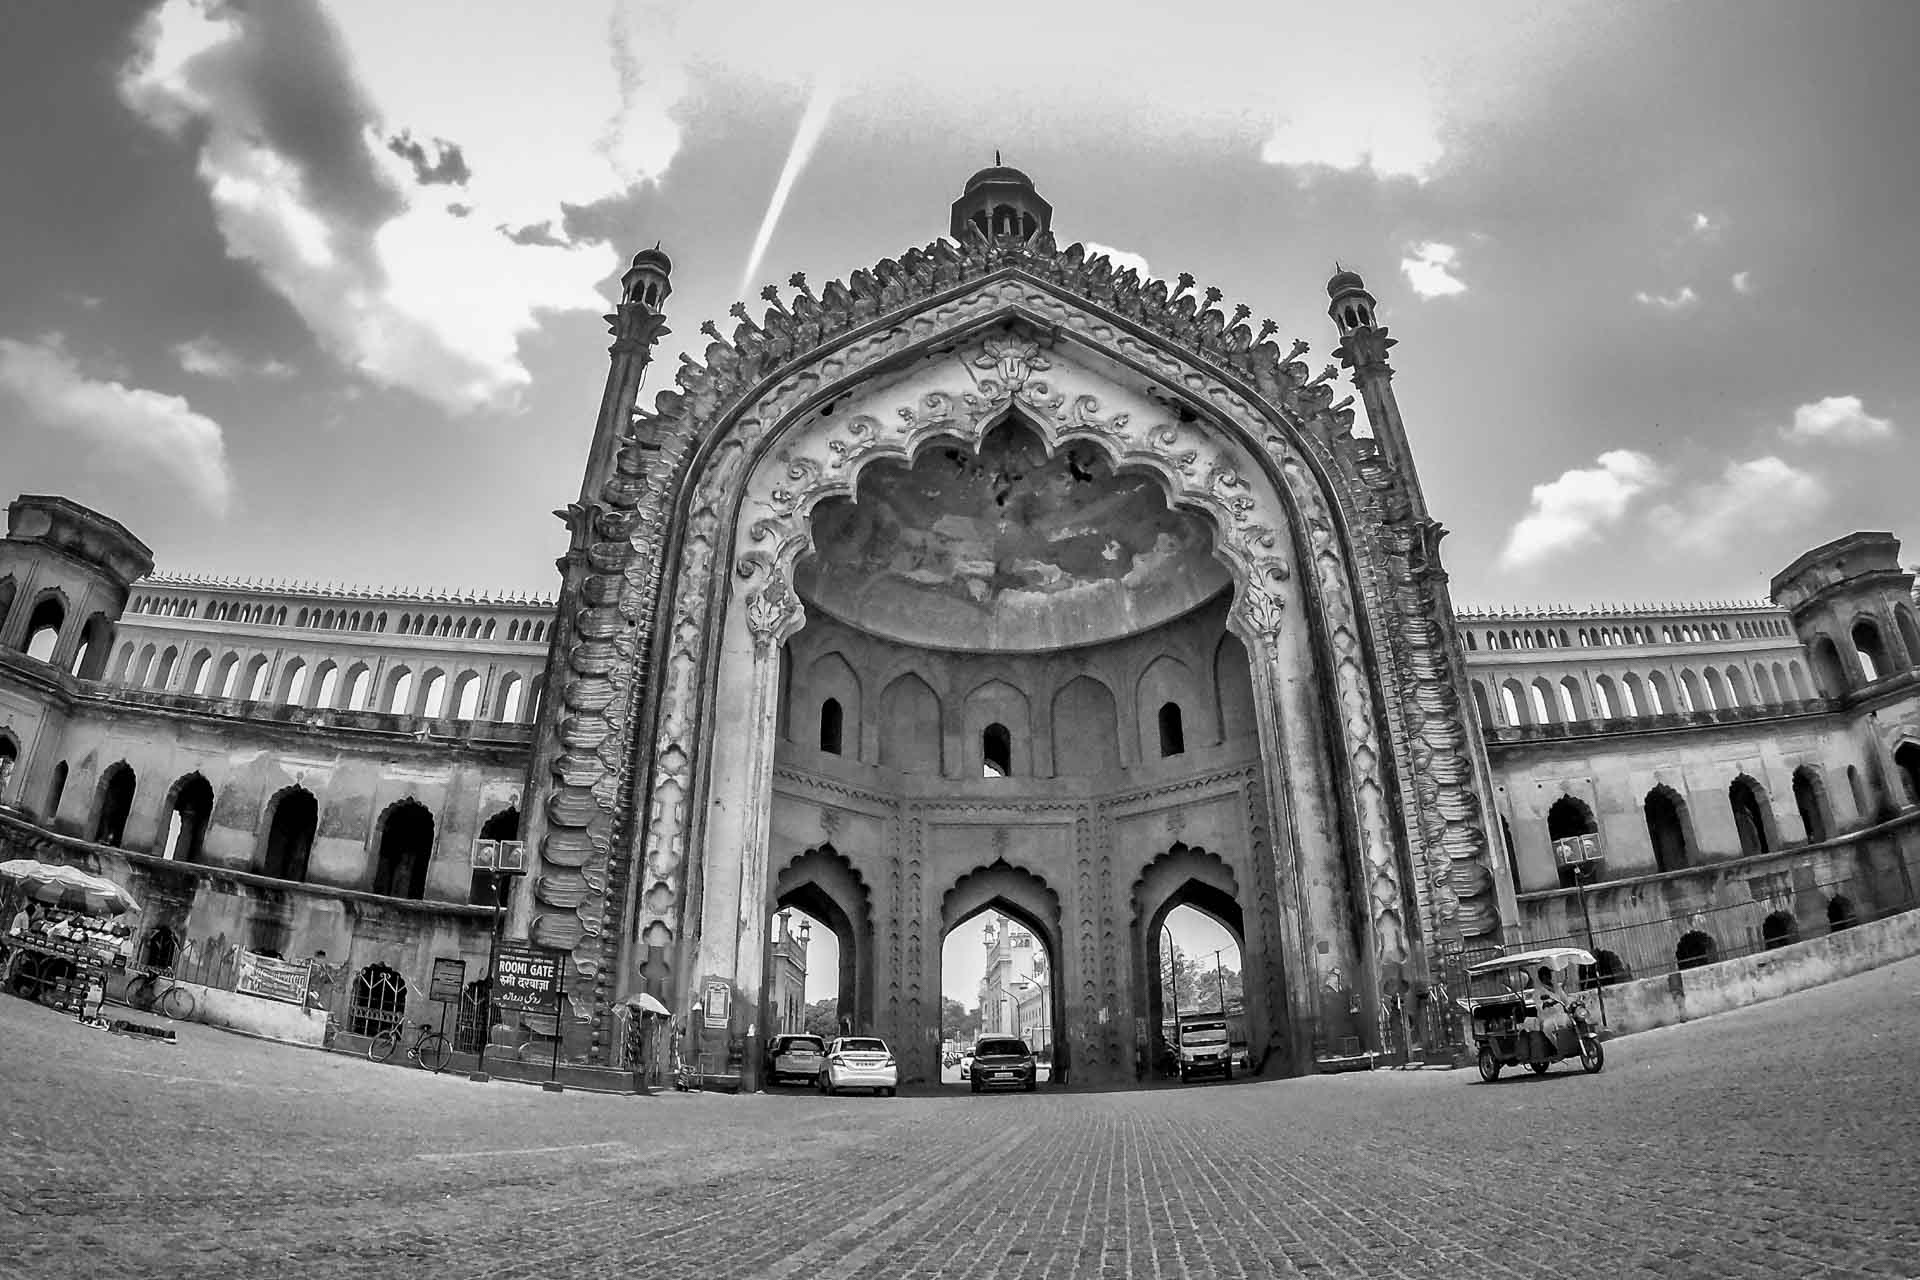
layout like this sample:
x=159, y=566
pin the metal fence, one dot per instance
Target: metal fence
x=1689, y=939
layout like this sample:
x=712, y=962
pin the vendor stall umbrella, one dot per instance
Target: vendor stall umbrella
x=68, y=886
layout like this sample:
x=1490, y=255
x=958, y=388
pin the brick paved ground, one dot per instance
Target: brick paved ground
x=1779, y=1141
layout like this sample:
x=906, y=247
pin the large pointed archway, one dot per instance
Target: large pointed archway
x=824, y=884
x=1021, y=991
x=1329, y=571
x=1191, y=877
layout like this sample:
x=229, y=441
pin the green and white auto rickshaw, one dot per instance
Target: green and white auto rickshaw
x=1523, y=1013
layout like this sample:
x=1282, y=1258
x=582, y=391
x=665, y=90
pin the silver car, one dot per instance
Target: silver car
x=792, y=1057
x=860, y=1062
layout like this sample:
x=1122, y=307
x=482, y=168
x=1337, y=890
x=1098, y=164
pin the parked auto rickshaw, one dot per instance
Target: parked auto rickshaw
x=1522, y=1013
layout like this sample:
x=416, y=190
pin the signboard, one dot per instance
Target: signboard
x=272, y=979
x=526, y=979
x=449, y=979
x=512, y=856
x=719, y=1003
x=486, y=855
x=1572, y=851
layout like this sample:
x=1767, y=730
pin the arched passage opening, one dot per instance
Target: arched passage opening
x=1752, y=816
x=997, y=979
x=1827, y=671
x=1810, y=798
x=189, y=808
x=1871, y=650
x=294, y=820
x=113, y=804
x=821, y=887
x=1194, y=959
x=1906, y=758
x=1569, y=817
x=1000, y=943
x=406, y=848
x=485, y=888
x=1668, y=830
x=43, y=627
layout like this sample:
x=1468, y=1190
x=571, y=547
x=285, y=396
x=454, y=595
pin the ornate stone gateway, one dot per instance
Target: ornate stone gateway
x=994, y=578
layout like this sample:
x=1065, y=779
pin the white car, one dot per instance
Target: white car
x=860, y=1062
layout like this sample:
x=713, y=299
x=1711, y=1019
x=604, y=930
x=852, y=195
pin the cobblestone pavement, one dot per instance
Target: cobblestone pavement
x=1782, y=1140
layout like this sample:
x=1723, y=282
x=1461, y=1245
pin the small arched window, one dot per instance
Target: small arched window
x=831, y=721
x=996, y=752
x=1173, y=739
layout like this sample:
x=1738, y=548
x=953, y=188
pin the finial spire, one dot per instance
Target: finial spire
x=996, y=157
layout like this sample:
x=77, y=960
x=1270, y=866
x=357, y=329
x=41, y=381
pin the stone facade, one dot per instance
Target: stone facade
x=991, y=580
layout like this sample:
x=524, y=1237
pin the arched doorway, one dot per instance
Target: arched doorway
x=1695, y=949
x=1752, y=817
x=1569, y=817
x=290, y=833
x=1668, y=829
x=1012, y=917
x=377, y=1000
x=406, y=849
x=114, y=805
x=1906, y=758
x=189, y=809
x=821, y=887
x=485, y=888
x=996, y=979
x=1810, y=798
x=1190, y=929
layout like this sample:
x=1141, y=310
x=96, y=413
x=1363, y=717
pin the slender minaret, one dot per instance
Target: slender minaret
x=1363, y=349
x=636, y=324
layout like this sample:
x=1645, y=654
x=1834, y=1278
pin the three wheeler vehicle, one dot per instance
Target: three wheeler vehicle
x=1521, y=1012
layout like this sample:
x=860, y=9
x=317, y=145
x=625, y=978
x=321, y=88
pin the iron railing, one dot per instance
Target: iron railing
x=1689, y=939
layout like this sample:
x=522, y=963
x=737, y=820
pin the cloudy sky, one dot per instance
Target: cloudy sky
x=314, y=290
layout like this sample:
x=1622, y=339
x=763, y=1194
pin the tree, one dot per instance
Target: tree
x=957, y=1022
x=823, y=1019
x=1197, y=983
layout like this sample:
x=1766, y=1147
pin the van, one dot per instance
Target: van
x=1204, y=1048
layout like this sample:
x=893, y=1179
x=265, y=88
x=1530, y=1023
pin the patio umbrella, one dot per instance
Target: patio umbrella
x=68, y=886
x=645, y=1004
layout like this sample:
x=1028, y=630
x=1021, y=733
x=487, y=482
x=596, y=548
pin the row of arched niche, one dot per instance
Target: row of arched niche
x=401, y=846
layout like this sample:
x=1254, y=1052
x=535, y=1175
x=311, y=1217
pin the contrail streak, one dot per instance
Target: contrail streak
x=813, y=122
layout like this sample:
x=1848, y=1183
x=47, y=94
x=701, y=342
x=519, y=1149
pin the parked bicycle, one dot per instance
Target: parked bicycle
x=429, y=1050
x=160, y=993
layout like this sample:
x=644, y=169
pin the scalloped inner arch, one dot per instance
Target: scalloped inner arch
x=1007, y=547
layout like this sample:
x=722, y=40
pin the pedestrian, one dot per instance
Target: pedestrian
x=1060, y=1063
x=22, y=921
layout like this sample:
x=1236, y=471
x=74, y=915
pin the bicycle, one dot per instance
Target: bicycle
x=173, y=1001
x=429, y=1050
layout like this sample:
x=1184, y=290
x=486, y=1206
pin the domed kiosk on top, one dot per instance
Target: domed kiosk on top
x=1000, y=203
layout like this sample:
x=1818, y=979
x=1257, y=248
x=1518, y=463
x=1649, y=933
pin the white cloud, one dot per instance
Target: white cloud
x=1334, y=134
x=1429, y=269
x=1760, y=494
x=1842, y=418
x=208, y=357
x=1575, y=509
x=144, y=431
x=388, y=272
x=1680, y=298
x=1742, y=282
x=1121, y=259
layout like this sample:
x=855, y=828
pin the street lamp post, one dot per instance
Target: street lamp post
x=1220, y=981
x=501, y=860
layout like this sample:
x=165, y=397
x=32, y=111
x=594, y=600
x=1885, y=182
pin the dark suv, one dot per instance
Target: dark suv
x=1003, y=1062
